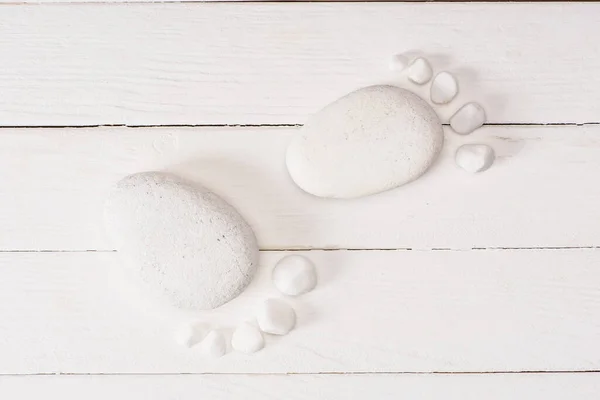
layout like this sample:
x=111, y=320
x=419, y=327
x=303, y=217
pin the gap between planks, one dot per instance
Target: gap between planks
x=359, y=373
x=279, y=1
x=341, y=249
x=532, y=124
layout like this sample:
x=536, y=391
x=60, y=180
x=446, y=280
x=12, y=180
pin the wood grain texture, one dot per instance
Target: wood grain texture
x=317, y=387
x=272, y=1
x=539, y=193
x=373, y=311
x=270, y=63
x=376, y=315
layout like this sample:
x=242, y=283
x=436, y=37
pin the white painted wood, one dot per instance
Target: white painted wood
x=373, y=311
x=196, y=1
x=173, y=1
x=302, y=387
x=540, y=192
x=240, y=63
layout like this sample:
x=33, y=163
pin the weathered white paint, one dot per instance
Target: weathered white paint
x=272, y=63
x=539, y=193
x=373, y=311
x=276, y=64
x=302, y=387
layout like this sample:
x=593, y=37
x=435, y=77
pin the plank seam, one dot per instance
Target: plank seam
x=524, y=372
x=500, y=124
x=285, y=1
x=271, y=250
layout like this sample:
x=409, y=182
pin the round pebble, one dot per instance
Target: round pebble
x=294, y=275
x=181, y=242
x=190, y=334
x=444, y=88
x=420, y=71
x=369, y=141
x=214, y=344
x=474, y=157
x=469, y=117
x=398, y=62
x=247, y=339
x=276, y=317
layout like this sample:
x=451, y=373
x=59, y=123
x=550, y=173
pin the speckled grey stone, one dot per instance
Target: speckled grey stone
x=371, y=140
x=182, y=242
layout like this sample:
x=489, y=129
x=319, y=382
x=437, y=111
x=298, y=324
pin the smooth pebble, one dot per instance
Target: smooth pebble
x=294, y=275
x=444, y=88
x=398, y=62
x=419, y=71
x=474, y=157
x=247, y=339
x=369, y=141
x=214, y=344
x=276, y=317
x=469, y=117
x=181, y=242
x=190, y=334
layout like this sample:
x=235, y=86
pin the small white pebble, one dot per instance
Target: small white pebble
x=398, y=62
x=214, y=344
x=420, y=71
x=275, y=316
x=468, y=118
x=444, y=88
x=474, y=157
x=190, y=334
x=247, y=339
x=294, y=275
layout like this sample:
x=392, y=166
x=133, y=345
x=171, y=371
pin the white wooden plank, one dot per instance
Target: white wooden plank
x=373, y=311
x=317, y=387
x=541, y=192
x=240, y=63
x=198, y=1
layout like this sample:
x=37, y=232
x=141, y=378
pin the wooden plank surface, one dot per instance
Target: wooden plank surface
x=540, y=193
x=270, y=63
x=263, y=1
x=379, y=318
x=373, y=311
x=317, y=387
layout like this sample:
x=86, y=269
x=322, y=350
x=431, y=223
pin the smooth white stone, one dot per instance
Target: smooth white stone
x=294, y=275
x=398, y=62
x=420, y=71
x=190, y=334
x=180, y=242
x=247, y=339
x=474, y=157
x=444, y=88
x=276, y=317
x=214, y=344
x=469, y=117
x=369, y=141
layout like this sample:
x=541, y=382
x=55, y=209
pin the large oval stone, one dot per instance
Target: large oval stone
x=183, y=242
x=371, y=140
